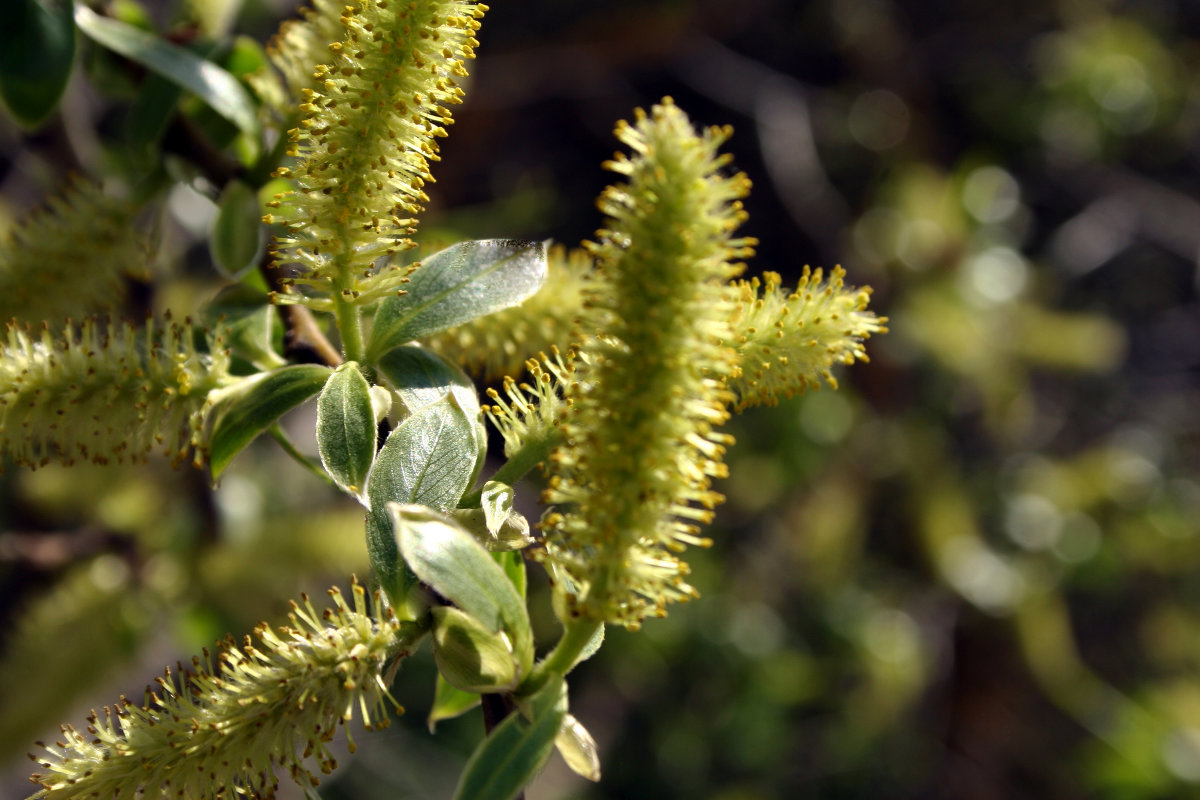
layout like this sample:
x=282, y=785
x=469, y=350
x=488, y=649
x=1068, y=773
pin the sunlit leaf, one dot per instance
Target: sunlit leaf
x=578, y=749
x=427, y=459
x=246, y=409
x=456, y=285
x=451, y=562
x=346, y=428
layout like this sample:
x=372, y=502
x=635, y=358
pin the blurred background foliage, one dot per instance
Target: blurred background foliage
x=972, y=572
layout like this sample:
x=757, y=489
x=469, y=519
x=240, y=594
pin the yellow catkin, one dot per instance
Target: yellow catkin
x=364, y=148
x=631, y=481
x=106, y=392
x=70, y=258
x=789, y=342
x=227, y=729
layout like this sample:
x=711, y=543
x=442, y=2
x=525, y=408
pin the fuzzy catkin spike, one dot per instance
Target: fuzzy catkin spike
x=499, y=344
x=528, y=413
x=105, y=392
x=364, y=148
x=226, y=731
x=788, y=342
x=300, y=46
x=71, y=257
x=632, y=478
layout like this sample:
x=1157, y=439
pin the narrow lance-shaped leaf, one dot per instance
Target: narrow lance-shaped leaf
x=249, y=407
x=456, y=285
x=513, y=754
x=346, y=428
x=37, y=49
x=157, y=100
x=206, y=80
x=237, y=236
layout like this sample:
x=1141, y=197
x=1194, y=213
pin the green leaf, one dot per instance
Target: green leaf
x=346, y=431
x=516, y=750
x=470, y=655
x=421, y=377
x=248, y=319
x=449, y=702
x=427, y=459
x=37, y=50
x=512, y=534
x=206, y=80
x=497, y=525
x=513, y=564
x=578, y=749
x=453, y=564
x=456, y=285
x=497, y=501
x=381, y=402
x=591, y=647
x=157, y=99
x=250, y=406
x=245, y=57
x=238, y=235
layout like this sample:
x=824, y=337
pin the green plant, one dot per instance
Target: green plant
x=641, y=344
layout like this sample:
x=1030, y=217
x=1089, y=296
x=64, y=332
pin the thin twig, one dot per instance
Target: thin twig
x=304, y=330
x=278, y=435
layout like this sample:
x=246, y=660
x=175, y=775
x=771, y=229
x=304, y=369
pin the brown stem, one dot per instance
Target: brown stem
x=495, y=708
x=303, y=330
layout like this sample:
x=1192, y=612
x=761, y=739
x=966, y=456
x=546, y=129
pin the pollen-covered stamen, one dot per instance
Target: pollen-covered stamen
x=535, y=408
x=106, y=391
x=788, y=342
x=639, y=449
x=225, y=730
x=366, y=144
x=71, y=256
